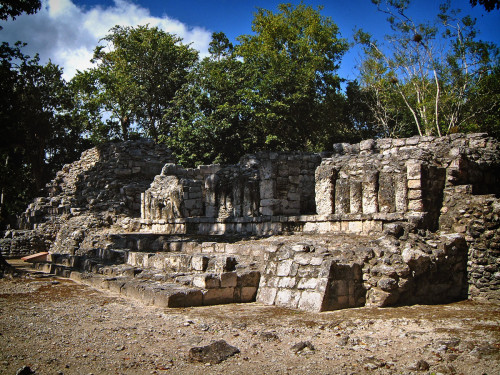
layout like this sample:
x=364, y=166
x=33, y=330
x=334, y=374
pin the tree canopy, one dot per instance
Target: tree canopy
x=138, y=72
x=14, y=8
x=39, y=135
x=291, y=59
x=489, y=5
x=427, y=72
x=270, y=91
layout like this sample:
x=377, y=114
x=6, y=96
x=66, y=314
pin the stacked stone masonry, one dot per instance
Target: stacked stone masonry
x=379, y=223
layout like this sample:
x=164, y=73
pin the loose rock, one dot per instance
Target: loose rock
x=214, y=353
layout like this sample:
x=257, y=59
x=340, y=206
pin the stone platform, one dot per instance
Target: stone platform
x=379, y=223
x=314, y=272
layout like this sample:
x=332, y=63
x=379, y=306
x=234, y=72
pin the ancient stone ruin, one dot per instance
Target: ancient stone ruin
x=379, y=223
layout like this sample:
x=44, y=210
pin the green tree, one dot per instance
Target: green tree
x=484, y=105
x=105, y=103
x=489, y=5
x=209, y=119
x=14, y=8
x=138, y=72
x=291, y=62
x=39, y=134
x=431, y=68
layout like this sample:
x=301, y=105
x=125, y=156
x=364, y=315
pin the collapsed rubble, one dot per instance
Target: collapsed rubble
x=379, y=223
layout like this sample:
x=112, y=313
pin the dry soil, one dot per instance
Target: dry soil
x=56, y=326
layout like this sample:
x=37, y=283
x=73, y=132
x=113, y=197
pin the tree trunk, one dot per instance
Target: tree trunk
x=125, y=124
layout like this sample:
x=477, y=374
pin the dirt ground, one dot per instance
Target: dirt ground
x=56, y=326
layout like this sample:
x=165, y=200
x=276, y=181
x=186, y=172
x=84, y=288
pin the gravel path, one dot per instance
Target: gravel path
x=56, y=326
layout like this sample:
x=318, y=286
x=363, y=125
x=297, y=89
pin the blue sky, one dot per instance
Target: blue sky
x=66, y=31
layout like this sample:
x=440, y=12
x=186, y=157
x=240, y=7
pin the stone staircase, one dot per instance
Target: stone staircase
x=162, y=278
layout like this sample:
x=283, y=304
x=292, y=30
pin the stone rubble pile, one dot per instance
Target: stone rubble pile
x=99, y=190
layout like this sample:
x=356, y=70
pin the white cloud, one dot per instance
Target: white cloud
x=67, y=34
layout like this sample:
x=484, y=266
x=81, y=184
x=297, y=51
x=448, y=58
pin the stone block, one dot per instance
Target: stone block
x=116, y=285
x=311, y=227
x=294, y=269
x=416, y=205
x=76, y=276
x=287, y=298
x=208, y=247
x=248, y=278
x=355, y=226
x=266, y=211
x=228, y=279
x=199, y=262
x=218, y=296
x=310, y=301
x=316, y=261
x=367, y=145
x=335, y=226
x=413, y=170
x=371, y=226
x=177, y=299
x=414, y=184
x=302, y=258
x=379, y=298
x=398, y=142
x=414, y=194
x=248, y=294
x=286, y=282
x=267, y=188
x=387, y=284
x=307, y=283
x=139, y=291
x=206, y=281
x=284, y=268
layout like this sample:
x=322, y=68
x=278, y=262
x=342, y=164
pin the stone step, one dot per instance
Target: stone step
x=179, y=262
x=189, y=244
x=177, y=290
x=163, y=242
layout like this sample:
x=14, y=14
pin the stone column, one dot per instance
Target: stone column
x=326, y=177
x=401, y=193
x=386, y=193
x=370, y=193
x=355, y=197
x=414, y=170
x=342, y=196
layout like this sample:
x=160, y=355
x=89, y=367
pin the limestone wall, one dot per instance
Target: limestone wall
x=264, y=184
x=477, y=217
x=352, y=271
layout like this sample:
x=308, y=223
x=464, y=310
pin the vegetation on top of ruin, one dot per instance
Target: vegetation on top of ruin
x=277, y=89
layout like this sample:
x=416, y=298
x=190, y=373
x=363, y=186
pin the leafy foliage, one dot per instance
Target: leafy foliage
x=14, y=8
x=137, y=75
x=489, y=5
x=39, y=134
x=432, y=70
x=209, y=120
x=291, y=60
